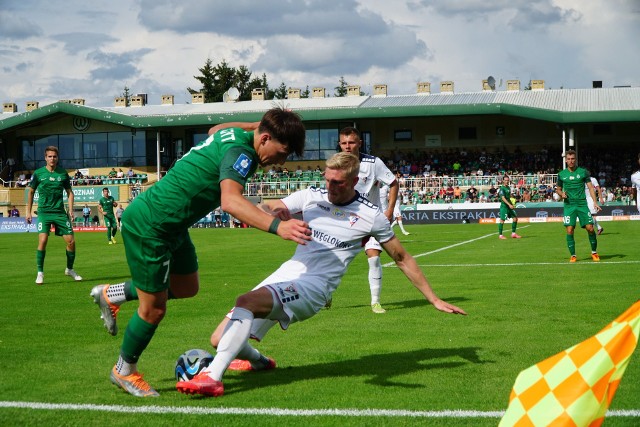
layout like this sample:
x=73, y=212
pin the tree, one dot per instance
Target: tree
x=208, y=81
x=281, y=92
x=305, y=93
x=127, y=96
x=341, y=90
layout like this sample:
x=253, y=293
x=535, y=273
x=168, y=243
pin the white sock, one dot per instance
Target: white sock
x=375, y=278
x=234, y=339
x=402, y=227
x=394, y=223
x=124, y=368
x=115, y=294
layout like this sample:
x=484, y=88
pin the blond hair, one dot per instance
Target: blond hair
x=346, y=162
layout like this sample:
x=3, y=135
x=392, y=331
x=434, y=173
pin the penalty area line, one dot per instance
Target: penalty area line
x=197, y=410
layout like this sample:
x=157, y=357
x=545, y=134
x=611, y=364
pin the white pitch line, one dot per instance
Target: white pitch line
x=526, y=264
x=389, y=264
x=198, y=410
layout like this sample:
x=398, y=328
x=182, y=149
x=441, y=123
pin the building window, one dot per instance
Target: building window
x=403, y=135
x=467, y=133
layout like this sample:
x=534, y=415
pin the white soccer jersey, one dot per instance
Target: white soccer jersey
x=373, y=174
x=596, y=188
x=635, y=182
x=338, y=235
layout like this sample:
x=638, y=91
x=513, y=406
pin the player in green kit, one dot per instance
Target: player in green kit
x=105, y=206
x=507, y=210
x=51, y=181
x=155, y=228
x=571, y=184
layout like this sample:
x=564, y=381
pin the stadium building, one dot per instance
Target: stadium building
x=149, y=138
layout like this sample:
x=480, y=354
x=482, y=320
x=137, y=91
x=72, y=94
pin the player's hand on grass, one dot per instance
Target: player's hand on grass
x=295, y=230
x=448, y=308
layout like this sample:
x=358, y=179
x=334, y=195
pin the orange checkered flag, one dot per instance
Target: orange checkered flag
x=576, y=386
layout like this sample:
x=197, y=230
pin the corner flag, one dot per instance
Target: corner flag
x=576, y=386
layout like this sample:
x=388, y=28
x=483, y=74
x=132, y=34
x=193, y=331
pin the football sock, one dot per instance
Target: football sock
x=136, y=338
x=125, y=368
x=595, y=223
x=500, y=227
x=71, y=258
x=375, y=278
x=401, y=226
x=121, y=292
x=571, y=244
x=114, y=231
x=108, y=234
x=40, y=260
x=394, y=223
x=514, y=225
x=593, y=240
x=234, y=338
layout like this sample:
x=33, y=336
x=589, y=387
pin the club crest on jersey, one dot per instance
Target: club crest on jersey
x=353, y=218
x=338, y=213
x=243, y=165
x=289, y=294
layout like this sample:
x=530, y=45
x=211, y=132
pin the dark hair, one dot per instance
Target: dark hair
x=286, y=127
x=105, y=188
x=350, y=131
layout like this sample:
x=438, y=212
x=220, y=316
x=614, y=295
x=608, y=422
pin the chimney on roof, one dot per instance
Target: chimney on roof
x=167, y=99
x=78, y=101
x=597, y=84
x=380, y=90
x=197, y=98
x=120, y=101
x=513, y=85
x=293, y=93
x=138, y=100
x=424, y=88
x=537, y=84
x=257, y=94
x=353, y=90
x=32, y=105
x=9, y=107
x=318, y=92
x=446, y=87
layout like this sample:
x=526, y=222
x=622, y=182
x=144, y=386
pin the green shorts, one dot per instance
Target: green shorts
x=507, y=212
x=152, y=259
x=110, y=221
x=59, y=220
x=571, y=212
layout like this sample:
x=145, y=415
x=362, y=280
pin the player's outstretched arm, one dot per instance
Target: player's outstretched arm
x=234, y=203
x=410, y=268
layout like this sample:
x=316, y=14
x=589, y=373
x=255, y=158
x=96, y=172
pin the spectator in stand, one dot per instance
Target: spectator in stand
x=14, y=212
x=635, y=182
x=22, y=180
x=86, y=216
x=120, y=174
x=457, y=194
x=493, y=193
x=472, y=194
x=131, y=173
x=113, y=173
x=449, y=194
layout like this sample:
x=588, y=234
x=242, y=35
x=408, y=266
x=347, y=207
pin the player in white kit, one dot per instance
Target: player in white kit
x=373, y=174
x=339, y=218
x=397, y=213
x=592, y=208
x=635, y=182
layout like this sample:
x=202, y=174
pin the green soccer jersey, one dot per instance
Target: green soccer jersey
x=50, y=187
x=107, y=205
x=505, y=191
x=191, y=189
x=573, y=184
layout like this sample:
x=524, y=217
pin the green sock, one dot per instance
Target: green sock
x=40, y=260
x=136, y=338
x=130, y=291
x=71, y=258
x=593, y=239
x=514, y=225
x=114, y=231
x=571, y=244
x=500, y=227
x=108, y=234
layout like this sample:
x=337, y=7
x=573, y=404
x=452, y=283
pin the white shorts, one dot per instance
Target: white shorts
x=372, y=244
x=592, y=208
x=292, y=302
x=396, y=211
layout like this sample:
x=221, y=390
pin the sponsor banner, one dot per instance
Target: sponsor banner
x=81, y=194
x=83, y=229
x=16, y=225
x=545, y=213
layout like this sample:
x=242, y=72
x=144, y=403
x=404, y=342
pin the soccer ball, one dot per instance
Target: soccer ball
x=191, y=362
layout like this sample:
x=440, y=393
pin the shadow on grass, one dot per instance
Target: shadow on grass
x=378, y=370
x=401, y=305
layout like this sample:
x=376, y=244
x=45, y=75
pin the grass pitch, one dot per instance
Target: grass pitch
x=525, y=303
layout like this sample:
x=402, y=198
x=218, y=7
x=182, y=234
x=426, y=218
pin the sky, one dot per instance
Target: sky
x=55, y=49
